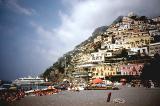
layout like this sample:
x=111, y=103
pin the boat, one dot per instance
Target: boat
x=102, y=88
x=29, y=81
x=40, y=92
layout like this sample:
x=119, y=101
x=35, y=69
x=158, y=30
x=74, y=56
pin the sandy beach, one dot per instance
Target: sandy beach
x=132, y=97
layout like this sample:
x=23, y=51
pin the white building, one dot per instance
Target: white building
x=100, y=55
x=112, y=47
x=142, y=51
x=108, y=54
x=124, y=27
x=157, y=19
x=154, y=32
x=97, y=57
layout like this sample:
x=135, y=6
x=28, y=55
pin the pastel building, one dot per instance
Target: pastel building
x=98, y=38
x=131, y=69
x=97, y=72
x=136, y=41
x=102, y=71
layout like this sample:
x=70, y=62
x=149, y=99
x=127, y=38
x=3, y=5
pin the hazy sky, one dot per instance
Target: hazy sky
x=35, y=33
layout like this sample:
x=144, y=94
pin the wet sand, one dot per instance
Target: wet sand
x=132, y=96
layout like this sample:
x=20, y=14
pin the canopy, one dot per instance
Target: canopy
x=97, y=80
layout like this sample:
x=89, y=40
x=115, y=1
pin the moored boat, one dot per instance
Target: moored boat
x=28, y=81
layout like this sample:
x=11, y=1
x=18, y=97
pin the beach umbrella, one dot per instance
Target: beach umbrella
x=97, y=80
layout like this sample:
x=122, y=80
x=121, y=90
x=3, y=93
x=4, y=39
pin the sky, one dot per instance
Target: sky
x=35, y=33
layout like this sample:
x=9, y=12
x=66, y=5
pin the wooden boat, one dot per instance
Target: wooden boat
x=102, y=88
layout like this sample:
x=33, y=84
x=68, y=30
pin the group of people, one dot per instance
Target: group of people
x=46, y=92
x=73, y=88
x=11, y=95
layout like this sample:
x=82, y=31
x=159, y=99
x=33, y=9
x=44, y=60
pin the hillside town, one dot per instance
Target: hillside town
x=80, y=53
x=119, y=49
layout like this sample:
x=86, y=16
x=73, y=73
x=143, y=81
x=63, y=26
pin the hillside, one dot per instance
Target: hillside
x=122, y=40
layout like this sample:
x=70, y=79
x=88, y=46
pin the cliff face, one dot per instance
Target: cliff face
x=126, y=32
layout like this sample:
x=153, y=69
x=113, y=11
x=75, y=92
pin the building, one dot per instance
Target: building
x=142, y=51
x=157, y=19
x=131, y=69
x=97, y=57
x=133, y=33
x=101, y=71
x=154, y=48
x=113, y=47
x=134, y=41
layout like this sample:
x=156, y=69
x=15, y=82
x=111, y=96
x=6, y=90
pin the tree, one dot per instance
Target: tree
x=151, y=71
x=124, y=53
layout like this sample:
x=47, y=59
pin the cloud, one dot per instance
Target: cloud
x=46, y=42
x=15, y=6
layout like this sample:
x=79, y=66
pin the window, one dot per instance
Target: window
x=113, y=73
x=123, y=73
x=143, y=50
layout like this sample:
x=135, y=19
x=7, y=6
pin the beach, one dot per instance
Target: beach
x=132, y=97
